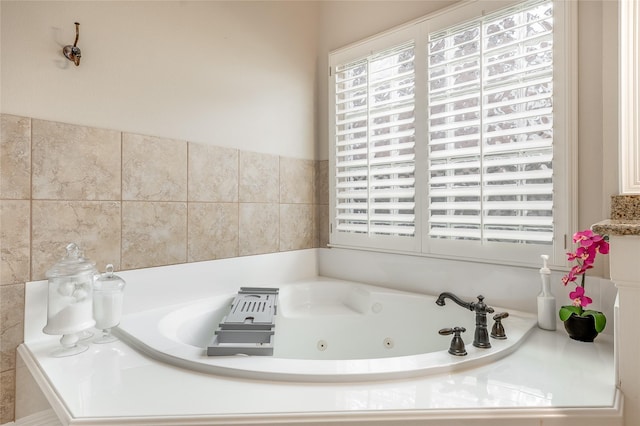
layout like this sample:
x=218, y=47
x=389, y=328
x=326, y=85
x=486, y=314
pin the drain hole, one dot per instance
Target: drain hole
x=322, y=345
x=388, y=343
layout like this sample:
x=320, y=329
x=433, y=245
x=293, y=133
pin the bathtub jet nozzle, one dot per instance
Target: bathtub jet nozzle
x=481, y=335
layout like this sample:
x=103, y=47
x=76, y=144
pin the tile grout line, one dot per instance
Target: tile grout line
x=238, y=205
x=30, y=275
x=121, y=196
x=187, y=205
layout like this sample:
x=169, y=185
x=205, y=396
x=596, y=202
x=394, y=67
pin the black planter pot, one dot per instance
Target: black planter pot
x=581, y=328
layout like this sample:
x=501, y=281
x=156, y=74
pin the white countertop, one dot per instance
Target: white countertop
x=112, y=380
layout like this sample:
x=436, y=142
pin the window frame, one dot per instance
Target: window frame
x=564, y=145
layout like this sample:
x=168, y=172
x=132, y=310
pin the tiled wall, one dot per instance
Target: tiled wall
x=138, y=201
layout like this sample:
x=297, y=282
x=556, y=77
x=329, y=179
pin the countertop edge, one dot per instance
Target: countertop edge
x=617, y=227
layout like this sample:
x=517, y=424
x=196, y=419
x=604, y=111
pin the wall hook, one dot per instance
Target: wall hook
x=73, y=53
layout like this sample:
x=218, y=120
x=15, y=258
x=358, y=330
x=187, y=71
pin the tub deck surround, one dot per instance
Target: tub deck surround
x=548, y=378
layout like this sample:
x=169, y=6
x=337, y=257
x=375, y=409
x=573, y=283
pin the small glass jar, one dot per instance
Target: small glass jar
x=108, y=298
x=69, y=303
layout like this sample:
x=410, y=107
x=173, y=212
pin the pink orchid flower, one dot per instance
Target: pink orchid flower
x=574, y=272
x=588, y=246
x=587, y=254
x=570, y=277
x=589, y=240
x=578, y=297
x=603, y=247
x=586, y=236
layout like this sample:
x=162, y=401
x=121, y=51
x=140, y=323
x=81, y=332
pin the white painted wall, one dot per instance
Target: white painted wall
x=598, y=168
x=346, y=22
x=236, y=74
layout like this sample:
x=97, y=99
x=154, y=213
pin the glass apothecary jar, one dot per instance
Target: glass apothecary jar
x=108, y=298
x=69, y=303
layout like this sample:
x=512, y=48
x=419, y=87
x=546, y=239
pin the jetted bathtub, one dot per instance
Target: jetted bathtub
x=326, y=331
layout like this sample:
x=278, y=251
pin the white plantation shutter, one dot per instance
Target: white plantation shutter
x=375, y=144
x=451, y=136
x=490, y=119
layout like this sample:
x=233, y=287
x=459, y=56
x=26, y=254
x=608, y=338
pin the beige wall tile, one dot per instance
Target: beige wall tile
x=15, y=157
x=11, y=320
x=213, y=231
x=78, y=173
x=7, y=395
x=296, y=226
x=93, y=225
x=258, y=228
x=259, y=178
x=153, y=169
x=296, y=181
x=81, y=174
x=153, y=234
x=75, y=162
x=322, y=182
x=15, y=234
x=213, y=173
x=322, y=222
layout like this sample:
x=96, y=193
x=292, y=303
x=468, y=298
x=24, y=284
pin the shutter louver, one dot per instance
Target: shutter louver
x=375, y=144
x=490, y=119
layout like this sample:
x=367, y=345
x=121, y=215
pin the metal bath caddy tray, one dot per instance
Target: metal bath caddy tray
x=249, y=327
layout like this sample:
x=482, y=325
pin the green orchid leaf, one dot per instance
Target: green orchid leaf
x=599, y=318
x=566, y=311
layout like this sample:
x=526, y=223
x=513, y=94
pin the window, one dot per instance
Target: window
x=450, y=135
x=375, y=144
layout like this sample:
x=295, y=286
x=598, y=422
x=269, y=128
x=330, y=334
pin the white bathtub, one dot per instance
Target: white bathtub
x=326, y=331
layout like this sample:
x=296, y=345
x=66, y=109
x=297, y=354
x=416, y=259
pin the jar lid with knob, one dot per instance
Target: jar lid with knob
x=73, y=263
x=109, y=281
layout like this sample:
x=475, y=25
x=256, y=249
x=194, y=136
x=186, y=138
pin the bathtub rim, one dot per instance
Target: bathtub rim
x=181, y=355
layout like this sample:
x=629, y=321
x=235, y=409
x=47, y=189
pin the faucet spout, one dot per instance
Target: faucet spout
x=456, y=299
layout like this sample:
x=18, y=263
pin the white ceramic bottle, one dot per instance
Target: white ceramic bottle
x=546, y=300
